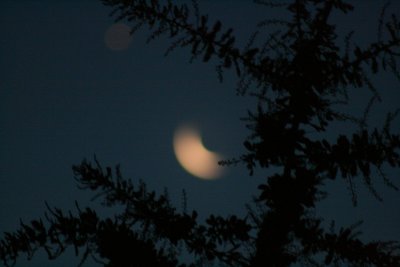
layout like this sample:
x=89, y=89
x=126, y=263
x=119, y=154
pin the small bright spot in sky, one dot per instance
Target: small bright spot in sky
x=118, y=37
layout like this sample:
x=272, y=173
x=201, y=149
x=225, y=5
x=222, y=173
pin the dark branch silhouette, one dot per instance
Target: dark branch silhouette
x=299, y=75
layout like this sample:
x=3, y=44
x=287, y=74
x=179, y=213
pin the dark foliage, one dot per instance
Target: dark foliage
x=298, y=75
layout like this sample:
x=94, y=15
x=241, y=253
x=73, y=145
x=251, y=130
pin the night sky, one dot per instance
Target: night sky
x=65, y=96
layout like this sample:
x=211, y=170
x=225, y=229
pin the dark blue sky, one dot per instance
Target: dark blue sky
x=64, y=96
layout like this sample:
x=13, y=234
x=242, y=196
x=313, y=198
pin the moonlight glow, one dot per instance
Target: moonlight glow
x=118, y=37
x=193, y=156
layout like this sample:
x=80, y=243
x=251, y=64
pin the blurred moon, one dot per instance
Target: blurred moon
x=118, y=37
x=193, y=156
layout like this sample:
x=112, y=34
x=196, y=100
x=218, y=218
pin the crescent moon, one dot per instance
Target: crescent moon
x=193, y=156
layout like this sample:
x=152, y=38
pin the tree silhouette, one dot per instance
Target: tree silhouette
x=298, y=76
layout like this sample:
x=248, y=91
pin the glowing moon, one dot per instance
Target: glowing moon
x=118, y=37
x=193, y=156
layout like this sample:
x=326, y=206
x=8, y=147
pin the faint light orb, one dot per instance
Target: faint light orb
x=193, y=156
x=117, y=37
